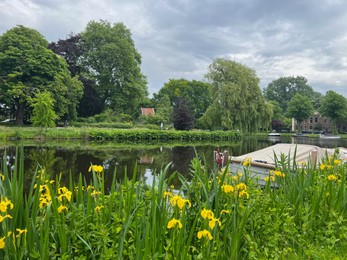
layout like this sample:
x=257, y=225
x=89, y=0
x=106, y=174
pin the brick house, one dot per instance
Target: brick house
x=315, y=123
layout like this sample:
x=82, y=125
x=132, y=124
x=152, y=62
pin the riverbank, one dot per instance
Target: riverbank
x=23, y=133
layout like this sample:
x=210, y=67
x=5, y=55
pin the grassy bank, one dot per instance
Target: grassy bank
x=213, y=215
x=22, y=133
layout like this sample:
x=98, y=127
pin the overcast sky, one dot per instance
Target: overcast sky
x=180, y=38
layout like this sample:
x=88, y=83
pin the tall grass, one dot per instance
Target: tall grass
x=214, y=215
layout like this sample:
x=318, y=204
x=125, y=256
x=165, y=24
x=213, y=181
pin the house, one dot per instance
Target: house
x=145, y=111
x=315, y=123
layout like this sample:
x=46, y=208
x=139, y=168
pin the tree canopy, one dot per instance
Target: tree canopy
x=334, y=106
x=43, y=110
x=71, y=49
x=238, y=102
x=182, y=115
x=300, y=107
x=284, y=89
x=27, y=67
x=111, y=57
x=197, y=94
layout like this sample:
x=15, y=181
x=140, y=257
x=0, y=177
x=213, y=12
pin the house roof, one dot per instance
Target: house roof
x=146, y=111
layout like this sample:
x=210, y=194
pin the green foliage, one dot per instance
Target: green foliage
x=284, y=89
x=43, y=113
x=111, y=57
x=334, y=106
x=300, y=107
x=165, y=135
x=103, y=125
x=197, y=94
x=71, y=50
x=237, y=99
x=28, y=67
x=213, y=215
x=107, y=116
x=164, y=110
x=277, y=110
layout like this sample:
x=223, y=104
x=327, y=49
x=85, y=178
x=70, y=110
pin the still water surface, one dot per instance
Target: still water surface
x=147, y=159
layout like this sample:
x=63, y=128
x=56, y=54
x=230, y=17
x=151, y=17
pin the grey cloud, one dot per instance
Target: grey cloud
x=180, y=38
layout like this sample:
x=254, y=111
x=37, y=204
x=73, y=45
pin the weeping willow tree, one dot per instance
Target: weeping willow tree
x=238, y=102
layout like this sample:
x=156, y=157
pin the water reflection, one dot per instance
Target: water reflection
x=65, y=159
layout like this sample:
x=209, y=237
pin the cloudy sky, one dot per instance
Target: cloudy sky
x=180, y=38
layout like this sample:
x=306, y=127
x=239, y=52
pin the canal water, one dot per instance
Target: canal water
x=74, y=157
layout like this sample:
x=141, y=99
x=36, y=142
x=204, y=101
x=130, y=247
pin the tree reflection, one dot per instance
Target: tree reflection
x=181, y=158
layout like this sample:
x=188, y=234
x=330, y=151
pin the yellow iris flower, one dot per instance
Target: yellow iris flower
x=205, y=233
x=174, y=222
x=207, y=214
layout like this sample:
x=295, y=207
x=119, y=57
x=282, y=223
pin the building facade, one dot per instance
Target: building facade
x=315, y=123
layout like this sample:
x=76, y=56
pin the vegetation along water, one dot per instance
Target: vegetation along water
x=206, y=213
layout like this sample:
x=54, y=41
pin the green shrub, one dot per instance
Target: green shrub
x=138, y=135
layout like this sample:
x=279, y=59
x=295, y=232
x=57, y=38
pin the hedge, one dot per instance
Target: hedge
x=162, y=135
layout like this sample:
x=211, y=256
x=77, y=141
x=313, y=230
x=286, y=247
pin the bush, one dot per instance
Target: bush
x=163, y=135
x=103, y=125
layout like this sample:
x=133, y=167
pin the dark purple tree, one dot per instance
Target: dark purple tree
x=183, y=118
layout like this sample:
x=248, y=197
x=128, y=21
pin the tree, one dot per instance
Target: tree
x=43, y=110
x=28, y=67
x=196, y=93
x=300, y=108
x=238, y=102
x=90, y=103
x=334, y=106
x=164, y=110
x=71, y=50
x=278, y=119
x=284, y=89
x=182, y=116
x=111, y=57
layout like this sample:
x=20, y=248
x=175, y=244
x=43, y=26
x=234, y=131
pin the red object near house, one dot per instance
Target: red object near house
x=147, y=111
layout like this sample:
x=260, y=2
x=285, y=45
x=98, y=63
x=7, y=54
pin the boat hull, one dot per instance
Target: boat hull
x=329, y=137
x=255, y=172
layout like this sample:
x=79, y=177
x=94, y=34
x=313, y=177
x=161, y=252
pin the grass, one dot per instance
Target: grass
x=214, y=215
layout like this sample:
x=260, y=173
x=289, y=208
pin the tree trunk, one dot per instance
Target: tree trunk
x=334, y=126
x=19, y=114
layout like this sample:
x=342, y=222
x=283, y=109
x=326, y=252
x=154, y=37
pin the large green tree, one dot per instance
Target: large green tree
x=334, y=106
x=27, y=67
x=284, y=89
x=111, y=57
x=197, y=94
x=238, y=102
x=300, y=108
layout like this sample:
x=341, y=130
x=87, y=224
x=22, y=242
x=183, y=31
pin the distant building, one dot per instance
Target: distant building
x=145, y=111
x=315, y=123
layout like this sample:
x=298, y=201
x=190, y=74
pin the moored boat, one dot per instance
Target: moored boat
x=260, y=163
x=326, y=136
x=274, y=134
